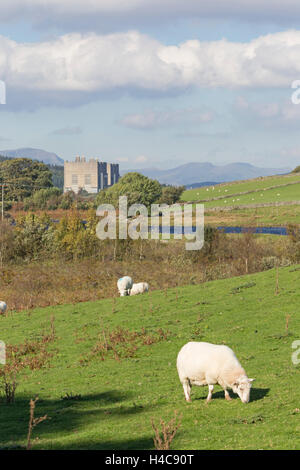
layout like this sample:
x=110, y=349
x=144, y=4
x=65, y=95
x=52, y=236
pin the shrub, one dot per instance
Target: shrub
x=269, y=262
x=164, y=437
x=7, y=240
x=34, y=236
x=138, y=188
x=297, y=169
x=170, y=194
x=40, y=199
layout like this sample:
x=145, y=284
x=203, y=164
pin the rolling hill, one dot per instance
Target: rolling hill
x=197, y=172
x=49, y=158
x=98, y=397
x=273, y=189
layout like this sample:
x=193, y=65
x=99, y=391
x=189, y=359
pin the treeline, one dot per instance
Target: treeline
x=51, y=199
x=29, y=186
x=57, y=175
x=56, y=171
x=37, y=237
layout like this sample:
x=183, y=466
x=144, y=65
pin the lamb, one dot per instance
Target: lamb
x=200, y=363
x=124, y=285
x=139, y=288
x=3, y=307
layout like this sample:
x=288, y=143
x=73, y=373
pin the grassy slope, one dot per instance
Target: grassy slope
x=242, y=186
x=286, y=193
x=120, y=398
x=247, y=216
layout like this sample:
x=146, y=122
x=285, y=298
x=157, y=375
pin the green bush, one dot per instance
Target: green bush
x=43, y=198
x=138, y=188
x=297, y=169
x=170, y=194
x=33, y=237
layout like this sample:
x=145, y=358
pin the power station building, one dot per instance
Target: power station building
x=92, y=175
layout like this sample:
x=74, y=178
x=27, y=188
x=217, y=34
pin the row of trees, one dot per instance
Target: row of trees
x=139, y=189
x=21, y=177
x=37, y=237
x=31, y=183
x=57, y=171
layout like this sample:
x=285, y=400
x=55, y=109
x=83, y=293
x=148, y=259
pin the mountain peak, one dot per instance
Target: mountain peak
x=49, y=158
x=198, y=172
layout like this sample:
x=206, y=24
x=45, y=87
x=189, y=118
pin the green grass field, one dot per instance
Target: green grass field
x=289, y=193
x=114, y=400
x=283, y=194
x=260, y=216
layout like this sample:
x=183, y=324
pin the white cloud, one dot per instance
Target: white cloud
x=141, y=159
x=93, y=64
x=107, y=13
x=269, y=114
x=158, y=119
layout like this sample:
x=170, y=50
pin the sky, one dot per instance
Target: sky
x=148, y=83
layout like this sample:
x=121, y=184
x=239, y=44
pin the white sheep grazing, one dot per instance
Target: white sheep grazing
x=124, y=285
x=200, y=363
x=139, y=288
x=3, y=307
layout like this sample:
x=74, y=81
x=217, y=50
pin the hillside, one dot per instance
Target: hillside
x=272, y=200
x=229, y=190
x=198, y=172
x=49, y=158
x=101, y=398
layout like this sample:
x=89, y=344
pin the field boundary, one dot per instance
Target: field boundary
x=252, y=206
x=219, y=198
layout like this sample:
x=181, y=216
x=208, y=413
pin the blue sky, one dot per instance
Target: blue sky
x=151, y=83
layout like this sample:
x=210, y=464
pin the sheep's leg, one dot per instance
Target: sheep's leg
x=227, y=396
x=187, y=390
x=210, y=390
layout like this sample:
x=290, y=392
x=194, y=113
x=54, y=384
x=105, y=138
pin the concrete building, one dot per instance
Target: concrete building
x=90, y=175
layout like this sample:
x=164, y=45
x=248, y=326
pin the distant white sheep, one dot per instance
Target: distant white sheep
x=124, y=285
x=139, y=288
x=200, y=363
x=3, y=307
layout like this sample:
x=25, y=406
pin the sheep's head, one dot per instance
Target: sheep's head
x=242, y=387
x=124, y=292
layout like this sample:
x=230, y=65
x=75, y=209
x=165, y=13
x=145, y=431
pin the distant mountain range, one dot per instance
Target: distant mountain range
x=198, y=173
x=189, y=174
x=204, y=183
x=49, y=158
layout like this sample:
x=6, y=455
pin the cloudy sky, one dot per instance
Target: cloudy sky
x=151, y=82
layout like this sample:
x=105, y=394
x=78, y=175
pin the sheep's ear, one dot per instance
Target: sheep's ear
x=251, y=380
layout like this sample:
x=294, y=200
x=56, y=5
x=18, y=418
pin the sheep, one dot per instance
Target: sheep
x=124, y=285
x=3, y=307
x=200, y=363
x=139, y=288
